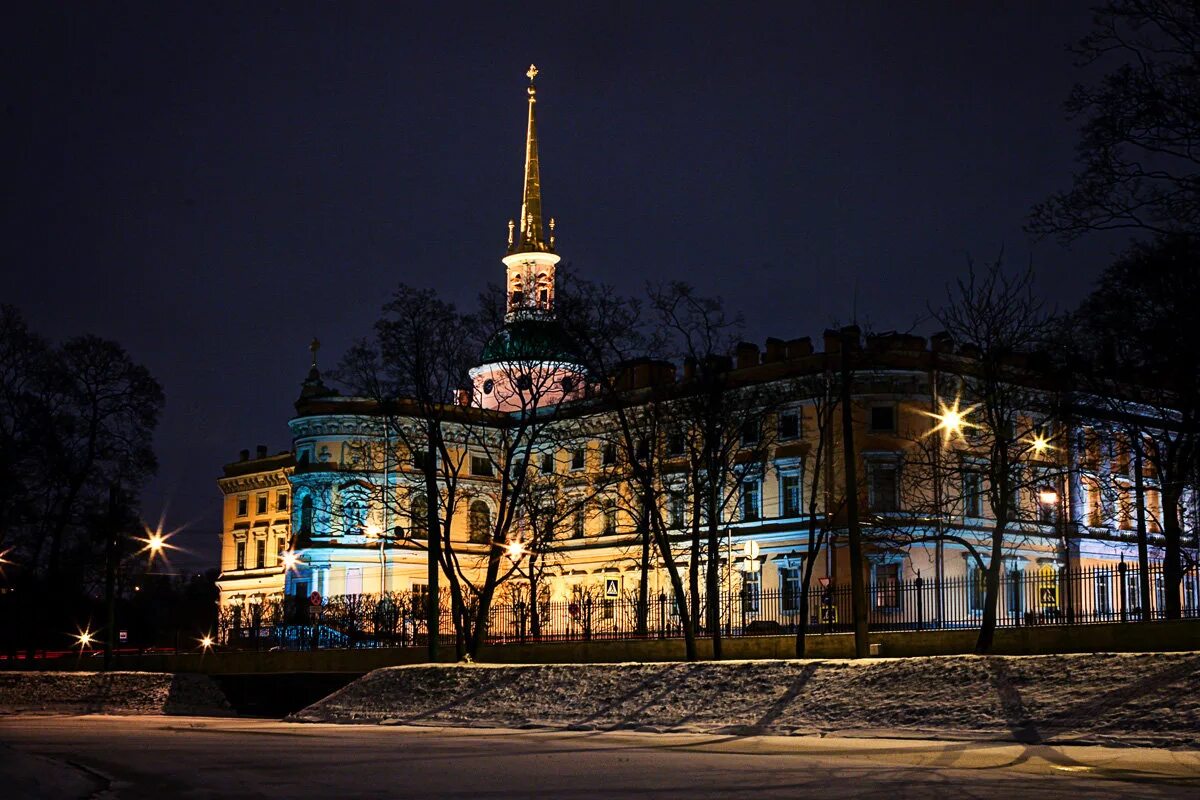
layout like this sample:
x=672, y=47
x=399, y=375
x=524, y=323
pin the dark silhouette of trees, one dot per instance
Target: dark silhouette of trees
x=1139, y=147
x=76, y=421
x=1139, y=350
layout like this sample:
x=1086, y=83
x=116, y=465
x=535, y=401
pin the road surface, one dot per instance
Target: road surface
x=155, y=757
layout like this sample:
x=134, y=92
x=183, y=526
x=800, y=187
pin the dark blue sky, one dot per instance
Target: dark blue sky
x=213, y=185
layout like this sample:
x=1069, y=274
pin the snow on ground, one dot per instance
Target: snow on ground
x=110, y=693
x=1141, y=698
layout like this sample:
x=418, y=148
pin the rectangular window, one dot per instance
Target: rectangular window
x=789, y=494
x=261, y=505
x=547, y=463
x=1016, y=599
x=243, y=506
x=610, y=456
x=750, y=432
x=972, y=494
x=280, y=548
x=789, y=589
x=789, y=425
x=260, y=553
x=281, y=501
x=676, y=509
x=481, y=466
x=240, y=555
x=577, y=456
x=976, y=589
x=887, y=586
x=750, y=500
x=354, y=580
x=675, y=443
x=751, y=591
x=578, y=524
x=884, y=486
x=883, y=419
x=1103, y=594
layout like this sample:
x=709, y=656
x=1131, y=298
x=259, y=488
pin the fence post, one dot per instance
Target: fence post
x=1121, y=585
x=587, y=618
x=662, y=615
x=920, y=583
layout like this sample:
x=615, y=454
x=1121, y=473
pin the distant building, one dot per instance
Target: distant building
x=331, y=518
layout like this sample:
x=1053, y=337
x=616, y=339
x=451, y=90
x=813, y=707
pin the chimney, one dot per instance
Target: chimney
x=853, y=333
x=244, y=455
x=833, y=341
x=261, y=451
x=799, y=348
x=747, y=355
x=774, y=351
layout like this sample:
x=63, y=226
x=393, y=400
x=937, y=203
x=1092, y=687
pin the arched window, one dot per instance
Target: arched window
x=306, y=515
x=418, y=513
x=516, y=297
x=610, y=516
x=543, y=291
x=479, y=522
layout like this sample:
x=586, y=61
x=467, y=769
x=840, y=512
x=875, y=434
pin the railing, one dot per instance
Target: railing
x=1073, y=597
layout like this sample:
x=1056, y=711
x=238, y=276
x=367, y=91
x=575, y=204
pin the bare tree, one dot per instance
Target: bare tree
x=1140, y=133
x=1138, y=350
x=998, y=325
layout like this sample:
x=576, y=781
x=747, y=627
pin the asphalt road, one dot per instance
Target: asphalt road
x=155, y=757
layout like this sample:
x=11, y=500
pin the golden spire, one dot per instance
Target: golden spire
x=530, y=236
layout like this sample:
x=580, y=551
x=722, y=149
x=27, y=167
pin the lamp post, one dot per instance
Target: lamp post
x=1050, y=501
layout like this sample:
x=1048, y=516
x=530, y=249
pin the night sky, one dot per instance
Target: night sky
x=214, y=185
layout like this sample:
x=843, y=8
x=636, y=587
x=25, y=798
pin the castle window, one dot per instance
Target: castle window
x=306, y=515
x=481, y=466
x=547, y=463
x=260, y=504
x=577, y=458
x=480, y=522
x=281, y=501
x=240, y=555
x=789, y=425
x=260, y=554
x=883, y=419
x=243, y=506
x=610, y=517
x=419, y=515
x=610, y=456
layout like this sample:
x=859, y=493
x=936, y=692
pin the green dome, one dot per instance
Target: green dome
x=531, y=340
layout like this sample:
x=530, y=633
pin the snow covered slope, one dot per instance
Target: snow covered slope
x=1129, y=698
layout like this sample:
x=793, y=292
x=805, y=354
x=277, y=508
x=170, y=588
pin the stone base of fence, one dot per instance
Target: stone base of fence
x=1176, y=636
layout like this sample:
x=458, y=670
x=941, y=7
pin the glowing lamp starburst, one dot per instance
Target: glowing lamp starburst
x=206, y=642
x=290, y=560
x=515, y=549
x=85, y=638
x=951, y=420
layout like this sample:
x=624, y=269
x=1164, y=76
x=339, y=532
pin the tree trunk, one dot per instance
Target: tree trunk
x=1172, y=557
x=664, y=548
x=858, y=589
x=991, y=597
x=643, y=601
x=433, y=528
x=1143, y=545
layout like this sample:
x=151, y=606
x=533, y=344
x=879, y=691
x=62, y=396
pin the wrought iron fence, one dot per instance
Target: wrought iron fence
x=1051, y=596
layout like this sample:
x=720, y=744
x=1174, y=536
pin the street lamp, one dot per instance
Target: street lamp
x=290, y=560
x=85, y=638
x=206, y=642
x=515, y=549
x=951, y=420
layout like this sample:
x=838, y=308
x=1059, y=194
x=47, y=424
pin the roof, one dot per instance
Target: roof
x=531, y=340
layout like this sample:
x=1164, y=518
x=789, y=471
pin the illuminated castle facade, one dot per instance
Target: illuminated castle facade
x=308, y=522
